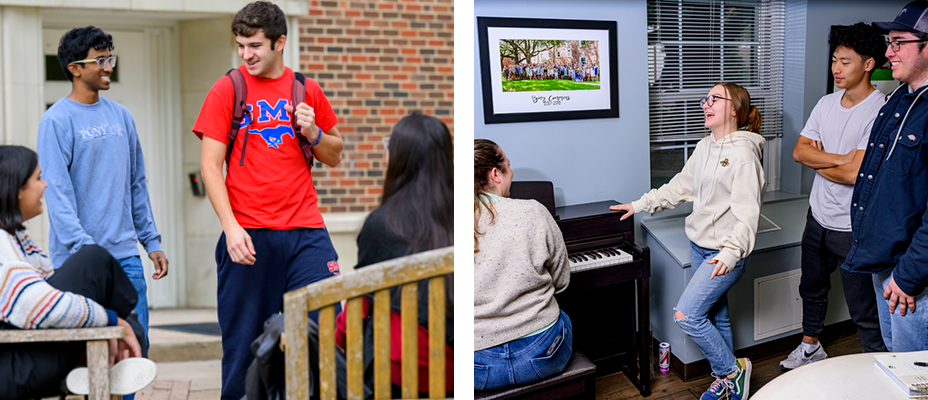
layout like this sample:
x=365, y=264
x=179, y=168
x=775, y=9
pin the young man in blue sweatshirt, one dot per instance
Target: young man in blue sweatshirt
x=91, y=158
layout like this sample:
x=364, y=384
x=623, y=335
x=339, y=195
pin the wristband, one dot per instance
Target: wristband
x=318, y=138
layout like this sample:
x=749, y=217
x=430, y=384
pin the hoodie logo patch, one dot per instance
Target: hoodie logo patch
x=724, y=162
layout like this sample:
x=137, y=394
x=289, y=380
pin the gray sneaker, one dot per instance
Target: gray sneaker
x=804, y=354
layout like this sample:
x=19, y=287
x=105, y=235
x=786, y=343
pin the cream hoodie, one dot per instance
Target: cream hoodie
x=725, y=181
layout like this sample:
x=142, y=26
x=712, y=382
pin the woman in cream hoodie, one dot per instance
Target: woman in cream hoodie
x=725, y=181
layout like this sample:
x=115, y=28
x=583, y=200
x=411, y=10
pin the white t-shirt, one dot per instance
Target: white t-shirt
x=840, y=130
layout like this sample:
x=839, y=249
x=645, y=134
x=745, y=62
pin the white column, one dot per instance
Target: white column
x=22, y=65
x=292, y=47
x=22, y=68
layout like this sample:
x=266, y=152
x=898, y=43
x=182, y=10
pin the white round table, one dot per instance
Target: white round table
x=853, y=376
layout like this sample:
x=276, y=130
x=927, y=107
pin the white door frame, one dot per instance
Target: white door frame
x=164, y=157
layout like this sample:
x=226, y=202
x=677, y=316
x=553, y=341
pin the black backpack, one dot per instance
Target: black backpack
x=240, y=108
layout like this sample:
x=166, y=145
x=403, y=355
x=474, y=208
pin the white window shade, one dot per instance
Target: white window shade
x=693, y=44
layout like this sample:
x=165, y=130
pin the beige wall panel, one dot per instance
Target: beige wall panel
x=201, y=271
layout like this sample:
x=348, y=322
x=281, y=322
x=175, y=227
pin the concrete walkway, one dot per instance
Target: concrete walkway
x=188, y=363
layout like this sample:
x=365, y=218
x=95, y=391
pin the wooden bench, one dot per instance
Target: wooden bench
x=577, y=380
x=97, y=350
x=378, y=279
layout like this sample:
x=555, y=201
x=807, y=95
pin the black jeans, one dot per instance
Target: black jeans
x=34, y=370
x=823, y=251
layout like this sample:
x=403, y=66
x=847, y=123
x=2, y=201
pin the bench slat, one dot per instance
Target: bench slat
x=327, y=385
x=97, y=369
x=382, y=389
x=296, y=350
x=60, y=335
x=409, y=317
x=437, y=337
x=355, y=349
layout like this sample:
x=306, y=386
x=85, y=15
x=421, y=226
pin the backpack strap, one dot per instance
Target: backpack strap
x=297, y=96
x=239, y=111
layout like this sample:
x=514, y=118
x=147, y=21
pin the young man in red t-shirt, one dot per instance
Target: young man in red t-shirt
x=274, y=239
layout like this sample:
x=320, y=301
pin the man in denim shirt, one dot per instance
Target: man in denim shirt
x=888, y=209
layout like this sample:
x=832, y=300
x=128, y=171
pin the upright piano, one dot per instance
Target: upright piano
x=607, y=266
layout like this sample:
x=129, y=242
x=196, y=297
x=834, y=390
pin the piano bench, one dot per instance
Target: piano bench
x=577, y=381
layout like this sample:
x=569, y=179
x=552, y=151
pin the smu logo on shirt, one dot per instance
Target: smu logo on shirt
x=333, y=267
x=274, y=135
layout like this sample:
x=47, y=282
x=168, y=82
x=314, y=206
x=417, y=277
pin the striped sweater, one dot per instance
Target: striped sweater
x=27, y=301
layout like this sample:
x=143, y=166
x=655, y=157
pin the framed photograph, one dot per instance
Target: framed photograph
x=548, y=69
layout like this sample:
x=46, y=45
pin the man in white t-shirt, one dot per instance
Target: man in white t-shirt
x=833, y=143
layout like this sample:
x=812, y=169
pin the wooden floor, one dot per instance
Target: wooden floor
x=669, y=387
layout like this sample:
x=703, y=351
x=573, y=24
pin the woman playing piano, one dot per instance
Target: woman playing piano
x=725, y=181
x=520, y=261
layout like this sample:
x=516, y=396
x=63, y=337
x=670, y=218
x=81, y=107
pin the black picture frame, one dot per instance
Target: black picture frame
x=595, y=103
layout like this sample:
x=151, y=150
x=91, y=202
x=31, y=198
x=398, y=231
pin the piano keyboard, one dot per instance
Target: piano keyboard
x=599, y=258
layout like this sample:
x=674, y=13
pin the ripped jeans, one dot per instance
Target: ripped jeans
x=704, y=304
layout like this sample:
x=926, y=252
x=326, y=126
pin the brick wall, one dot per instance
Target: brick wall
x=376, y=62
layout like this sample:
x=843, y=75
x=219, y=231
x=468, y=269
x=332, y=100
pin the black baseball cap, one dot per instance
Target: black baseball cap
x=912, y=18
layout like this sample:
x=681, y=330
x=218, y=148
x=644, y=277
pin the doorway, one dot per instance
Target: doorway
x=144, y=86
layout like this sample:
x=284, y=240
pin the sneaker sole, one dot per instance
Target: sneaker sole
x=126, y=377
x=747, y=381
x=784, y=369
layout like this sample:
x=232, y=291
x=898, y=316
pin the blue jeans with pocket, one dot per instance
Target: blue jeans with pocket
x=704, y=304
x=525, y=360
x=902, y=333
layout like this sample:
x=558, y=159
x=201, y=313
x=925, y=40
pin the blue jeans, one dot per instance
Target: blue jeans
x=133, y=269
x=132, y=266
x=704, y=304
x=525, y=360
x=902, y=333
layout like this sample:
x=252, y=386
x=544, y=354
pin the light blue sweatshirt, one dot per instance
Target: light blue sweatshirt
x=92, y=160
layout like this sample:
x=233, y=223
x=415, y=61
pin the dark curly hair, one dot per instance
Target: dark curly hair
x=75, y=45
x=260, y=15
x=863, y=39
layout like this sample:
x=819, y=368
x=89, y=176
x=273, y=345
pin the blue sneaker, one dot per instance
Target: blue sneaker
x=718, y=390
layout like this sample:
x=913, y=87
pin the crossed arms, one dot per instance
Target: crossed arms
x=838, y=168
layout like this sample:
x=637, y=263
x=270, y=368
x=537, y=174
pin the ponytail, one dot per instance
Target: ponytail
x=754, y=120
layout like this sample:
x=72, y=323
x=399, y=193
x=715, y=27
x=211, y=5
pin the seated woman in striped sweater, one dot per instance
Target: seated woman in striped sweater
x=89, y=290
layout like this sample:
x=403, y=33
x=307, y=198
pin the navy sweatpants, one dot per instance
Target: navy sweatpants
x=249, y=294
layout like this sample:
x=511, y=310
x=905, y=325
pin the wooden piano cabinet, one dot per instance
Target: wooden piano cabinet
x=600, y=302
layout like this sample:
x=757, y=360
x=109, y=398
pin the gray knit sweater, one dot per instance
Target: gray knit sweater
x=521, y=263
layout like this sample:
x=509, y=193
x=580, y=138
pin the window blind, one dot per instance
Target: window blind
x=694, y=44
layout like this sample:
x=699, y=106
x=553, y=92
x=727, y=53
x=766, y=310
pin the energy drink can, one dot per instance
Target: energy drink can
x=664, y=360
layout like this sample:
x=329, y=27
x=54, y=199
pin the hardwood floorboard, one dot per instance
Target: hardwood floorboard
x=670, y=387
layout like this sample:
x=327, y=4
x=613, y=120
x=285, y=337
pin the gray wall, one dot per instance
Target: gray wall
x=588, y=160
x=807, y=63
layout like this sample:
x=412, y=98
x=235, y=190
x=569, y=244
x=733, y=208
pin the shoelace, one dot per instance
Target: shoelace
x=719, y=382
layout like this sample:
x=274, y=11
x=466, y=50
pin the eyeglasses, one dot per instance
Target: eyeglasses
x=710, y=100
x=101, y=61
x=386, y=142
x=895, y=44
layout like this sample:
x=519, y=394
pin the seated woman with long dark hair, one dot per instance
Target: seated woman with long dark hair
x=89, y=290
x=520, y=261
x=415, y=215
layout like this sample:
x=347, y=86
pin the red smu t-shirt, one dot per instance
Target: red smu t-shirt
x=273, y=188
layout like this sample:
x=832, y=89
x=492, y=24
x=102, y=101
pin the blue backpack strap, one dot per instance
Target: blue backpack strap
x=239, y=111
x=297, y=96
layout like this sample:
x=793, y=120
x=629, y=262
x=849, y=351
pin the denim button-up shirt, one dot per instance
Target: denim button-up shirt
x=888, y=208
